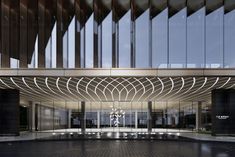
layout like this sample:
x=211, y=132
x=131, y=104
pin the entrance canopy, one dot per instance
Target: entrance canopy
x=108, y=85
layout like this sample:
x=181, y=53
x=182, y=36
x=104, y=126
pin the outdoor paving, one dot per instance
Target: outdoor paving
x=116, y=148
x=120, y=134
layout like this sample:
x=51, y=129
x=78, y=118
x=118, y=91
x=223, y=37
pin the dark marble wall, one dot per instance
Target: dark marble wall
x=223, y=112
x=9, y=112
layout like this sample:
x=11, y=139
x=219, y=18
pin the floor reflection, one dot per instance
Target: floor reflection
x=116, y=148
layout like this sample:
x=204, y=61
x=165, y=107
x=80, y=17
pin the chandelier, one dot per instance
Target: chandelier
x=115, y=115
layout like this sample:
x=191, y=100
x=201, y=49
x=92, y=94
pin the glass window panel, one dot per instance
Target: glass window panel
x=71, y=44
x=172, y=118
x=125, y=40
x=229, y=39
x=107, y=42
x=48, y=54
x=195, y=39
x=187, y=116
x=158, y=116
x=31, y=65
x=89, y=42
x=14, y=63
x=60, y=116
x=142, y=40
x=159, y=40
x=82, y=55
x=105, y=110
x=75, y=116
x=34, y=59
x=53, y=53
x=177, y=40
x=206, y=117
x=214, y=39
x=65, y=50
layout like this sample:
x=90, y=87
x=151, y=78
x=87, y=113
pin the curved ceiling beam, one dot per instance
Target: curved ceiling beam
x=79, y=90
x=6, y=84
x=29, y=86
x=161, y=89
x=36, y=84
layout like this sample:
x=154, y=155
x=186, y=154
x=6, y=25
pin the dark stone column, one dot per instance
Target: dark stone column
x=149, y=124
x=198, y=115
x=133, y=18
x=77, y=34
x=9, y=112
x=69, y=118
x=5, y=33
x=41, y=33
x=23, y=52
x=31, y=116
x=114, y=36
x=82, y=118
x=59, y=34
x=96, y=38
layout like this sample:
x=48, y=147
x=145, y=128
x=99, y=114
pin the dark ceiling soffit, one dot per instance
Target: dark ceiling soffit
x=101, y=10
x=212, y=5
x=119, y=10
x=156, y=7
x=175, y=6
x=139, y=7
x=229, y=5
x=194, y=5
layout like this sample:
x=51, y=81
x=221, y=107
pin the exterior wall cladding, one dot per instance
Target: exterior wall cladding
x=117, y=34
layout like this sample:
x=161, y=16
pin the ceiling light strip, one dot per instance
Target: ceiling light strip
x=6, y=84
x=29, y=86
x=79, y=90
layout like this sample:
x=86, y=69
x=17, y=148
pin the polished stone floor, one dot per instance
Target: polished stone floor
x=116, y=148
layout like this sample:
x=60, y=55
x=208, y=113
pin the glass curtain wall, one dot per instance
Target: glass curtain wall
x=65, y=117
x=89, y=42
x=160, y=40
x=214, y=38
x=229, y=40
x=48, y=53
x=107, y=41
x=142, y=40
x=124, y=40
x=177, y=39
x=71, y=44
x=197, y=41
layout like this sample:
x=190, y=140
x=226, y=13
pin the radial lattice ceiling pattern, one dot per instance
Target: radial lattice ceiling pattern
x=102, y=89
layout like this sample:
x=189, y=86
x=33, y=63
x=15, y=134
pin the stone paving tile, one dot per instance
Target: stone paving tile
x=115, y=148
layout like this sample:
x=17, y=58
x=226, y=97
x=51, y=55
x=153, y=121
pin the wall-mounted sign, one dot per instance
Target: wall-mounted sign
x=222, y=117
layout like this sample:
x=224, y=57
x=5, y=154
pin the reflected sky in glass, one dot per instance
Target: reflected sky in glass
x=189, y=47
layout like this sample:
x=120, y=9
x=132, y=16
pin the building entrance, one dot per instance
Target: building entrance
x=125, y=117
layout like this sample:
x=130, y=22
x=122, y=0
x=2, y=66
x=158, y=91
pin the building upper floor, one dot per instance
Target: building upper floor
x=117, y=34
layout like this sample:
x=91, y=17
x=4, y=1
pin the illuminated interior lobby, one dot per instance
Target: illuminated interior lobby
x=117, y=66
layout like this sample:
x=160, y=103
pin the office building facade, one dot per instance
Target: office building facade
x=80, y=66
